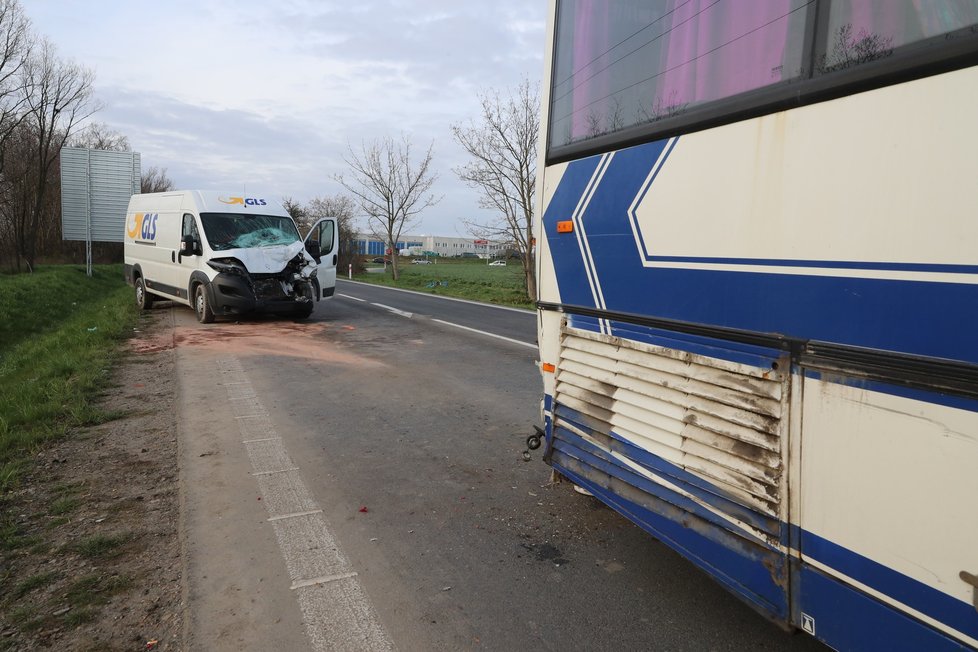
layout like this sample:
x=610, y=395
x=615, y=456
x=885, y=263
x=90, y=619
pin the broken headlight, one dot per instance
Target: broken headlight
x=227, y=266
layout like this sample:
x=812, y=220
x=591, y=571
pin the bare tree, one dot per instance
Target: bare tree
x=155, y=180
x=58, y=95
x=503, y=145
x=390, y=189
x=344, y=209
x=15, y=47
x=15, y=42
x=298, y=213
x=98, y=135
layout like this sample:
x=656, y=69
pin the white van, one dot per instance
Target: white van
x=226, y=254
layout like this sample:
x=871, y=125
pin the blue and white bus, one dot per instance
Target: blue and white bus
x=758, y=305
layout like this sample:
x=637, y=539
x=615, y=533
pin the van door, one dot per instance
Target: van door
x=188, y=262
x=324, y=235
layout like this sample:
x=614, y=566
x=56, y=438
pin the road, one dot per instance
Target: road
x=357, y=482
x=518, y=325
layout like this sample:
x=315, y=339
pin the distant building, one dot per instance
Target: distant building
x=368, y=245
x=433, y=245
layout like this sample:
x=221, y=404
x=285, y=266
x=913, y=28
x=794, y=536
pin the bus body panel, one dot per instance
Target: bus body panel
x=783, y=241
x=830, y=250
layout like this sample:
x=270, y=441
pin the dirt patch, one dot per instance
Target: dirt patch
x=90, y=554
x=254, y=335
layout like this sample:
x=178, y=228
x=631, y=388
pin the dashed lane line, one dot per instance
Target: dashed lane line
x=394, y=310
x=337, y=612
x=476, y=330
x=522, y=311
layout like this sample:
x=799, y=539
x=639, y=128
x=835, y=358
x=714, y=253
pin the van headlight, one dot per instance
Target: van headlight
x=227, y=266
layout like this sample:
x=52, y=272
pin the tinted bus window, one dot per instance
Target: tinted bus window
x=860, y=31
x=622, y=64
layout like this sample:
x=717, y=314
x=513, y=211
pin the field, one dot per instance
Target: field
x=460, y=278
x=58, y=337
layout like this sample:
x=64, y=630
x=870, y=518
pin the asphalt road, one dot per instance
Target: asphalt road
x=405, y=437
x=519, y=325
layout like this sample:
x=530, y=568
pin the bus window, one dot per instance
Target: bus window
x=860, y=31
x=643, y=61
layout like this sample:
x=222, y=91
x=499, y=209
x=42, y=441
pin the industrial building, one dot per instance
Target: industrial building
x=433, y=245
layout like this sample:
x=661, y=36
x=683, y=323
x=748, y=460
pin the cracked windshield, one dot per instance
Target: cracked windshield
x=236, y=231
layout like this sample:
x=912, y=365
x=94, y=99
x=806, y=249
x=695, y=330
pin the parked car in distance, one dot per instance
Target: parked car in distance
x=380, y=260
x=498, y=263
x=421, y=261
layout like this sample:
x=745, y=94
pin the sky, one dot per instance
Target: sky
x=249, y=95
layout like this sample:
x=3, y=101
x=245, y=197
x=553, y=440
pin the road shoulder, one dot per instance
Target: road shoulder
x=92, y=557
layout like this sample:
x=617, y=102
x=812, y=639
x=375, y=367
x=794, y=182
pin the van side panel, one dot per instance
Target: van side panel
x=152, y=242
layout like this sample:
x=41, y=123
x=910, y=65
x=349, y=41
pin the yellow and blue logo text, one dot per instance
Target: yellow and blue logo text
x=243, y=201
x=142, y=226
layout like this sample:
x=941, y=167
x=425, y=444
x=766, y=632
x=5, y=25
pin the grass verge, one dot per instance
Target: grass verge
x=58, y=339
x=459, y=278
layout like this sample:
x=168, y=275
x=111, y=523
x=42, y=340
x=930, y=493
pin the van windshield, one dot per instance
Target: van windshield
x=245, y=231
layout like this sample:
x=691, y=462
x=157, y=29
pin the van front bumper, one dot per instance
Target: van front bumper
x=233, y=294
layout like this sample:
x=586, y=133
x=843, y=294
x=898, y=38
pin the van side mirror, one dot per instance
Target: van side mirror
x=312, y=246
x=189, y=246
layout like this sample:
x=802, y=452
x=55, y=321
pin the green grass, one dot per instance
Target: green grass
x=12, y=538
x=58, y=339
x=94, y=590
x=63, y=505
x=460, y=278
x=101, y=546
x=25, y=618
x=31, y=583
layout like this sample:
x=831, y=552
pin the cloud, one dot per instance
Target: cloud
x=224, y=94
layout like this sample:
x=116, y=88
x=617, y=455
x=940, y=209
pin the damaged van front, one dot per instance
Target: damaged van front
x=260, y=264
x=231, y=255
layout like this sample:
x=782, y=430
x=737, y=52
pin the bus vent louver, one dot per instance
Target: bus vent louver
x=701, y=433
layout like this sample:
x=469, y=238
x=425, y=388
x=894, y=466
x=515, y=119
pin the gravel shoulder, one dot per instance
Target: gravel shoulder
x=90, y=553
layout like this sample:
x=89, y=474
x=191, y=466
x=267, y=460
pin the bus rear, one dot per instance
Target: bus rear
x=758, y=269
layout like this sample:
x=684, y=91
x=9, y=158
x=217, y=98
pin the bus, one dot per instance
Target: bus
x=757, y=255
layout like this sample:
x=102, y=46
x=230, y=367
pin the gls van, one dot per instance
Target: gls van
x=225, y=254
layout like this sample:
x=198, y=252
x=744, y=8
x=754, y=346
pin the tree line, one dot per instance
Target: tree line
x=44, y=100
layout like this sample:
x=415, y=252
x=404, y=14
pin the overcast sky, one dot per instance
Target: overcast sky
x=227, y=94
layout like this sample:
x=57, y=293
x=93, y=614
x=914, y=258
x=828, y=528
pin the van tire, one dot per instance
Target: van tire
x=144, y=300
x=202, y=306
x=304, y=312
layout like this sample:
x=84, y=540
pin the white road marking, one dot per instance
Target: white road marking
x=294, y=468
x=337, y=612
x=240, y=392
x=322, y=580
x=476, y=330
x=347, y=296
x=394, y=310
x=523, y=311
x=296, y=514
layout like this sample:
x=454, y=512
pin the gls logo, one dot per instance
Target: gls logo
x=142, y=226
x=243, y=201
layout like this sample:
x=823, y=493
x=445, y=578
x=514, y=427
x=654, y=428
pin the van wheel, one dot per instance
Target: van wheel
x=202, y=306
x=144, y=300
x=304, y=311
